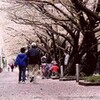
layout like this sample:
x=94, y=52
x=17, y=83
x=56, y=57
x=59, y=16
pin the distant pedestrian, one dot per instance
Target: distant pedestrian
x=34, y=60
x=11, y=64
x=8, y=67
x=12, y=67
x=22, y=62
x=54, y=70
x=43, y=66
x=48, y=66
x=66, y=59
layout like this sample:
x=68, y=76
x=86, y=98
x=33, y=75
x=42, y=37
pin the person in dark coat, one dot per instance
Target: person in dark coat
x=11, y=64
x=22, y=62
x=34, y=60
x=12, y=67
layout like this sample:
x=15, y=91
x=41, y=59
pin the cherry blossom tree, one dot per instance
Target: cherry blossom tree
x=64, y=26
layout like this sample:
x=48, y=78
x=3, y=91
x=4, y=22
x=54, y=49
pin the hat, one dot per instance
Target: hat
x=33, y=44
x=44, y=57
x=53, y=62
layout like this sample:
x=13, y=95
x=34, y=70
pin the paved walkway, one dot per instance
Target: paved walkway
x=44, y=89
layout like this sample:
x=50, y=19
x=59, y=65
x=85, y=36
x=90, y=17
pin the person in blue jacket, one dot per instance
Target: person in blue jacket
x=22, y=62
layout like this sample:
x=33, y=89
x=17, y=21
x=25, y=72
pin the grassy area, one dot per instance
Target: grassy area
x=92, y=78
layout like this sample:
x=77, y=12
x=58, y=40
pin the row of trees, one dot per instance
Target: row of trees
x=63, y=26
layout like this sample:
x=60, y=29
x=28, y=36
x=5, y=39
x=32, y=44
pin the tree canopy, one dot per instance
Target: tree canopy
x=70, y=26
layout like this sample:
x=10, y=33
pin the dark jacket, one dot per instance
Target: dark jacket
x=21, y=60
x=34, y=56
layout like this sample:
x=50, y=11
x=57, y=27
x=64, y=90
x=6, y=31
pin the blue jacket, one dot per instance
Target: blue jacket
x=21, y=60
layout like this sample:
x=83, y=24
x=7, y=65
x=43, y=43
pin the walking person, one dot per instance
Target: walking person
x=11, y=64
x=12, y=67
x=34, y=62
x=22, y=61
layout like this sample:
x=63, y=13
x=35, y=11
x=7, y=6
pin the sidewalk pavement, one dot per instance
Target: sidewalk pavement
x=44, y=89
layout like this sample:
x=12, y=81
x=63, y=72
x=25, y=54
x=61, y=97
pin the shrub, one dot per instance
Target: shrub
x=92, y=79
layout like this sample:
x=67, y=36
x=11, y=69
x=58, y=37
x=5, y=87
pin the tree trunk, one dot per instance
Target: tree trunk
x=90, y=60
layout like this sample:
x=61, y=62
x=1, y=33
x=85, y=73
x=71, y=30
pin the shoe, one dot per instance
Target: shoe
x=42, y=77
x=23, y=82
x=32, y=79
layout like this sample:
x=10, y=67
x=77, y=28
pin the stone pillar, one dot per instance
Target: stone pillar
x=77, y=72
x=61, y=70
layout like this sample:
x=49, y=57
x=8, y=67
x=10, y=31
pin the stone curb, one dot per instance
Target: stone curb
x=67, y=79
x=82, y=82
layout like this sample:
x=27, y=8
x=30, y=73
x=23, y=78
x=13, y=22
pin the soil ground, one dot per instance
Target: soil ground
x=44, y=89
